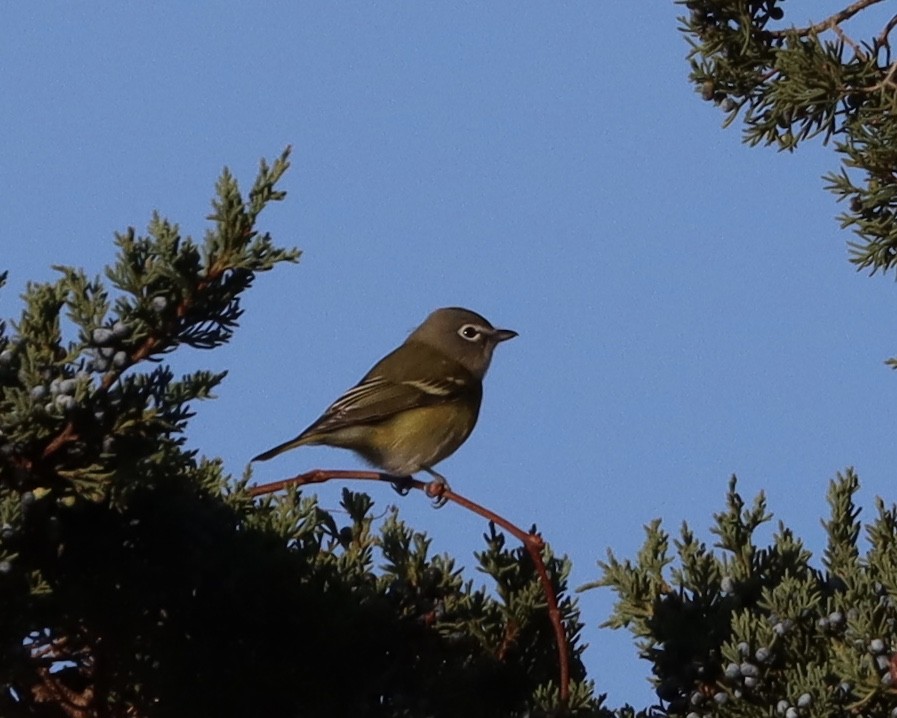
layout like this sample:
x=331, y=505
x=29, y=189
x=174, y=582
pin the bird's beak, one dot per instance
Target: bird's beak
x=502, y=335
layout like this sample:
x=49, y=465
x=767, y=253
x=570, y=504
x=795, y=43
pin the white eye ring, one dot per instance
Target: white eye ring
x=470, y=332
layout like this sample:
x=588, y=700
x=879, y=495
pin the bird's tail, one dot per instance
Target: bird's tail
x=280, y=448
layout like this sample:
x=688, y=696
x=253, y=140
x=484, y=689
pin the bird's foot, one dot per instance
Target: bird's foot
x=436, y=489
x=400, y=484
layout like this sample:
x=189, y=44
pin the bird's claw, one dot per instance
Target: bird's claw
x=436, y=490
x=400, y=484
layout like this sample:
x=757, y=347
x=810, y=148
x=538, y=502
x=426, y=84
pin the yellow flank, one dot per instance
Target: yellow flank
x=406, y=442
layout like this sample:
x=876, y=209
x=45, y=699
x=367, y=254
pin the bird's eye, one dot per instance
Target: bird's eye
x=469, y=332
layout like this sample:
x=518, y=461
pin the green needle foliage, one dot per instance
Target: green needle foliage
x=137, y=578
x=758, y=631
x=788, y=84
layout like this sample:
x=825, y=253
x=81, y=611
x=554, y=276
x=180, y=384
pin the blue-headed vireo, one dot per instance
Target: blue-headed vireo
x=419, y=403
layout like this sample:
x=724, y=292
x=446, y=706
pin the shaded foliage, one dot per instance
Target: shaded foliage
x=755, y=631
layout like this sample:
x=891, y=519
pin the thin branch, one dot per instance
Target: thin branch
x=887, y=81
x=73, y=704
x=434, y=489
x=66, y=436
x=882, y=40
x=857, y=50
x=830, y=22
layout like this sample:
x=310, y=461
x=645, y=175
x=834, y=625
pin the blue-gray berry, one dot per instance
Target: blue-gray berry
x=159, y=303
x=805, y=700
x=822, y=624
x=5, y=567
x=67, y=386
x=782, y=627
x=887, y=679
x=38, y=392
x=721, y=698
x=751, y=682
x=6, y=357
x=120, y=330
x=120, y=360
x=7, y=532
x=763, y=655
x=744, y=649
x=883, y=662
x=107, y=352
x=791, y=712
x=732, y=671
x=836, y=618
x=66, y=402
x=876, y=645
x=727, y=585
x=54, y=386
x=696, y=698
x=782, y=706
x=101, y=336
x=749, y=669
x=28, y=499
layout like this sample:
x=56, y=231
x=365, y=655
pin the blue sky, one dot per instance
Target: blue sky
x=685, y=305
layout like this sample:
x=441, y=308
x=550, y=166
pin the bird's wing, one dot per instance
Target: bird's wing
x=376, y=398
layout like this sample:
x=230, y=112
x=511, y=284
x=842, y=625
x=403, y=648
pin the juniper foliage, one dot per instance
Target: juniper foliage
x=751, y=630
x=787, y=84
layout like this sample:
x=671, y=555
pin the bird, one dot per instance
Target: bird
x=418, y=404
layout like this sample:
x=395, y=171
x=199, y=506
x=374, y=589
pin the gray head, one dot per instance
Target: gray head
x=462, y=335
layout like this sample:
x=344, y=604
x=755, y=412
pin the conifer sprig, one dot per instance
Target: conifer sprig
x=750, y=629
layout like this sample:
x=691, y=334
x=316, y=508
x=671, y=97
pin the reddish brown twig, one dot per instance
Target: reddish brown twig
x=829, y=22
x=66, y=436
x=882, y=40
x=531, y=541
x=73, y=704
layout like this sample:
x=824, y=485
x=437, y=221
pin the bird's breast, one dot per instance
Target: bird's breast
x=422, y=437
